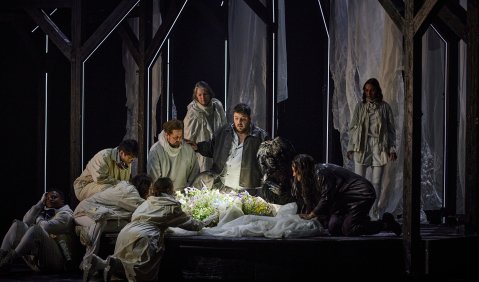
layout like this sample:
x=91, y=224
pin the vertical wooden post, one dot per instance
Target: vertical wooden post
x=412, y=148
x=76, y=98
x=472, y=119
x=145, y=35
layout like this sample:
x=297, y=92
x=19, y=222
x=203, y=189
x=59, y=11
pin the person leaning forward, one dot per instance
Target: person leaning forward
x=107, y=168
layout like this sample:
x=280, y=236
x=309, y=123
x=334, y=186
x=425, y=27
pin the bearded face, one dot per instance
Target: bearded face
x=175, y=138
x=241, y=122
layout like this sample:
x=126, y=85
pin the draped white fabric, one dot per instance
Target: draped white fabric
x=247, y=55
x=285, y=224
x=365, y=43
x=367, y=46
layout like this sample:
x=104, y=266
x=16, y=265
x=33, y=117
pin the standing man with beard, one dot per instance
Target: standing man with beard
x=171, y=157
x=233, y=149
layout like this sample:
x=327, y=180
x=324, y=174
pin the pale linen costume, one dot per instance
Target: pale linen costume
x=372, y=137
x=44, y=238
x=179, y=164
x=200, y=124
x=106, y=211
x=100, y=173
x=139, y=246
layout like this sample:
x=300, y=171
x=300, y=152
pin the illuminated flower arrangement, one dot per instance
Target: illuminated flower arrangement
x=206, y=203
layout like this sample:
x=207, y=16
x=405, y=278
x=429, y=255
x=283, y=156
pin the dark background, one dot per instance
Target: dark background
x=197, y=53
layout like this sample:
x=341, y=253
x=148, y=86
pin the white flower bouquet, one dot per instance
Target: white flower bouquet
x=207, y=204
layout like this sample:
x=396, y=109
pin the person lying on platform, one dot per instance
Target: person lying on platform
x=338, y=198
x=139, y=246
x=108, y=211
x=43, y=239
x=106, y=168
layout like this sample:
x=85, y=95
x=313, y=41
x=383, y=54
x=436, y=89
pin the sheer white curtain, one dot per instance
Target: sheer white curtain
x=365, y=43
x=247, y=36
x=367, y=46
x=247, y=56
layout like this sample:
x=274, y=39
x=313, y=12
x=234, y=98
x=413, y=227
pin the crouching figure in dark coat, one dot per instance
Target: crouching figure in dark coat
x=338, y=198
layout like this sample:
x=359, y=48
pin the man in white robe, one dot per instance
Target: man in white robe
x=106, y=168
x=172, y=157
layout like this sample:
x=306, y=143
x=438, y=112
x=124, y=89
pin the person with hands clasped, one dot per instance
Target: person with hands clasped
x=43, y=239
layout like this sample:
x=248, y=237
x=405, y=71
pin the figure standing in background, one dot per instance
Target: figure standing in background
x=372, y=138
x=205, y=115
x=171, y=157
x=234, y=148
x=106, y=168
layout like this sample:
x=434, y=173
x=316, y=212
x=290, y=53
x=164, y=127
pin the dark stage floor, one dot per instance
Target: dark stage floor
x=449, y=255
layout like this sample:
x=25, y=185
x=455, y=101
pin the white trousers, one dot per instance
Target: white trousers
x=376, y=179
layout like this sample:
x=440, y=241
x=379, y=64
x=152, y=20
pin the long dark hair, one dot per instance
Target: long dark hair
x=305, y=189
x=379, y=92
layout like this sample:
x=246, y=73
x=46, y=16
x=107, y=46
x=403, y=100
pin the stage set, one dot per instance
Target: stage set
x=81, y=76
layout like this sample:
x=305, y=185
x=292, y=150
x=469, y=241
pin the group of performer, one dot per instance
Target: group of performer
x=142, y=207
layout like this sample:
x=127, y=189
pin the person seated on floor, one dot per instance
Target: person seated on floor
x=338, y=198
x=108, y=211
x=44, y=239
x=139, y=246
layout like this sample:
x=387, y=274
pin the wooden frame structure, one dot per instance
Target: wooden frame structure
x=411, y=16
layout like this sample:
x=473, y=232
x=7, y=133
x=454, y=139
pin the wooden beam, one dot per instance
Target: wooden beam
x=130, y=40
x=54, y=32
x=111, y=22
x=472, y=120
x=260, y=10
x=76, y=79
x=426, y=12
x=393, y=13
x=145, y=36
x=164, y=30
x=456, y=19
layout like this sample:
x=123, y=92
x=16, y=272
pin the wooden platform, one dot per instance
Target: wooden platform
x=449, y=256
